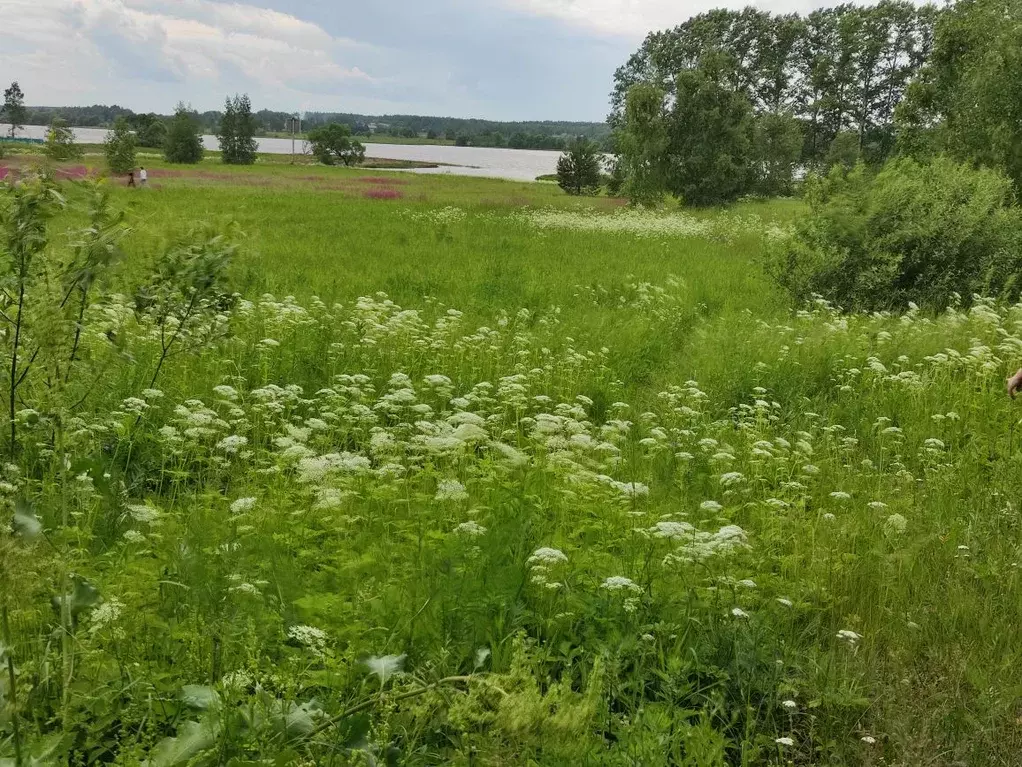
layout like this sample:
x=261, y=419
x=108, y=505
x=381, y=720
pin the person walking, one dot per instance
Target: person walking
x=143, y=176
x=131, y=179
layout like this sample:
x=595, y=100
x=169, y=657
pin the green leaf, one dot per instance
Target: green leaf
x=199, y=696
x=192, y=739
x=82, y=599
x=26, y=524
x=351, y=732
x=299, y=719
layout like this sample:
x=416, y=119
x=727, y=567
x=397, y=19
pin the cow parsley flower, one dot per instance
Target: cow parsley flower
x=232, y=444
x=471, y=528
x=451, y=490
x=895, y=524
x=784, y=741
x=309, y=637
x=620, y=583
x=242, y=505
x=738, y=612
x=547, y=556
x=850, y=637
x=731, y=478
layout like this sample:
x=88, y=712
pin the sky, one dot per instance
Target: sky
x=492, y=59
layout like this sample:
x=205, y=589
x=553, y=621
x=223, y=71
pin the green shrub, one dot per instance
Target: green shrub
x=119, y=147
x=922, y=233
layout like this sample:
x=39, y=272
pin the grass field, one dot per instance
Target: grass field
x=474, y=473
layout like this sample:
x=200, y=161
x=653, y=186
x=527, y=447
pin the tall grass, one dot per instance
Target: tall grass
x=488, y=490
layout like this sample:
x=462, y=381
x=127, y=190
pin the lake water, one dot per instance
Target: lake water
x=517, y=164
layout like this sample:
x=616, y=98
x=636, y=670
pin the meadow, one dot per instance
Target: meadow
x=469, y=472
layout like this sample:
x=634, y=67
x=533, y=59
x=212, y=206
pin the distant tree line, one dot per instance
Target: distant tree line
x=150, y=126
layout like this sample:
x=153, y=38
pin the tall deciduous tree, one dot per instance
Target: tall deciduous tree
x=698, y=145
x=711, y=132
x=333, y=142
x=14, y=107
x=835, y=70
x=968, y=99
x=642, y=144
x=237, y=132
x=184, y=142
x=119, y=147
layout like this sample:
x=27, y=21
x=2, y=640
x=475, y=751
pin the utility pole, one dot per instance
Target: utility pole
x=293, y=119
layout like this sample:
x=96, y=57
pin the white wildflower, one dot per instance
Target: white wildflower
x=848, y=636
x=242, y=505
x=547, y=556
x=451, y=490
x=471, y=528
x=309, y=637
x=232, y=444
x=620, y=583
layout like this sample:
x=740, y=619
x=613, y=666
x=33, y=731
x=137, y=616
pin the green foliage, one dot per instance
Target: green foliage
x=844, y=150
x=119, y=147
x=968, y=100
x=929, y=234
x=642, y=144
x=237, y=132
x=60, y=142
x=183, y=143
x=699, y=148
x=777, y=147
x=834, y=69
x=13, y=111
x=333, y=142
x=580, y=168
x=711, y=130
x=150, y=130
x=328, y=538
x=47, y=295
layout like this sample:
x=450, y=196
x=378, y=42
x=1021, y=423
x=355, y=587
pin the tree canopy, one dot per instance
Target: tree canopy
x=14, y=107
x=967, y=101
x=237, y=132
x=119, y=147
x=183, y=143
x=332, y=143
x=579, y=169
x=835, y=70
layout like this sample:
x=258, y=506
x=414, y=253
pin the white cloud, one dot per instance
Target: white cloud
x=68, y=48
x=636, y=18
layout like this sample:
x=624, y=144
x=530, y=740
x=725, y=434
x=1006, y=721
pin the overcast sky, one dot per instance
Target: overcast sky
x=496, y=59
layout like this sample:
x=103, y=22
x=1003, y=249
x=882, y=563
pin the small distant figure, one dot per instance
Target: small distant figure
x=143, y=176
x=131, y=179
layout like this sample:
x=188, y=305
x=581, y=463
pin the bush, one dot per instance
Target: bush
x=922, y=233
x=60, y=142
